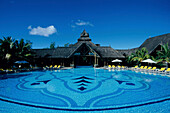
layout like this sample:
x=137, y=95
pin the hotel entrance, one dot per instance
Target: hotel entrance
x=83, y=60
x=85, y=56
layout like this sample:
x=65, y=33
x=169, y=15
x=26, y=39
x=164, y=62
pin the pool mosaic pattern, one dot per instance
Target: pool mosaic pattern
x=85, y=89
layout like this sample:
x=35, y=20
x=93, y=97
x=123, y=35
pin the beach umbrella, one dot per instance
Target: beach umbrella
x=149, y=61
x=21, y=62
x=117, y=60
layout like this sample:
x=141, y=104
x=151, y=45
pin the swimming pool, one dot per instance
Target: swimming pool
x=84, y=89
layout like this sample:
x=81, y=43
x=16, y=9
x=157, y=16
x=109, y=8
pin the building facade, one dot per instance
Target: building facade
x=85, y=53
x=82, y=53
x=152, y=44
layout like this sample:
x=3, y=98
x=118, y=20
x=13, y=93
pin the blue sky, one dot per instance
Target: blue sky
x=122, y=24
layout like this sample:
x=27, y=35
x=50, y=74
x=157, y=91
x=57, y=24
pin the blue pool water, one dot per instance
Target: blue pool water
x=84, y=89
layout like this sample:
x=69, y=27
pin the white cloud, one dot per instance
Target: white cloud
x=29, y=27
x=83, y=23
x=42, y=31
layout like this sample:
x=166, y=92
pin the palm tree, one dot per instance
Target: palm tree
x=52, y=45
x=164, y=54
x=23, y=49
x=140, y=55
x=12, y=50
x=129, y=59
x=7, y=48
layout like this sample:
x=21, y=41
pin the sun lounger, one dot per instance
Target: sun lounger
x=141, y=67
x=123, y=67
x=138, y=69
x=167, y=71
x=9, y=71
x=46, y=67
x=134, y=68
x=145, y=67
x=2, y=71
x=118, y=67
x=109, y=66
x=59, y=67
x=113, y=66
x=162, y=70
x=152, y=70
x=148, y=69
x=55, y=67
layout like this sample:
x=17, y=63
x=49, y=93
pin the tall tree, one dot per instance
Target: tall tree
x=23, y=49
x=7, y=48
x=129, y=59
x=12, y=50
x=139, y=55
x=164, y=54
x=52, y=45
x=66, y=45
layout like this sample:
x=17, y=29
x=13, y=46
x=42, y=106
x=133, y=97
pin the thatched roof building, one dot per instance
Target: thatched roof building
x=85, y=52
x=152, y=44
x=84, y=49
x=126, y=52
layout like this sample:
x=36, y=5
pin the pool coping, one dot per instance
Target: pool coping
x=99, y=109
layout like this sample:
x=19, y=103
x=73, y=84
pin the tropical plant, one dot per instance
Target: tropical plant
x=164, y=54
x=23, y=49
x=66, y=45
x=138, y=56
x=129, y=58
x=52, y=45
x=7, y=48
x=12, y=50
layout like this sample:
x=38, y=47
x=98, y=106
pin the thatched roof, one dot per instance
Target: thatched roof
x=84, y=36
x=101, y=51
x=60, y=52
x=150, y=44
x=67, y=52
x=126, y=52
x=108, y=52
x=153, y=42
